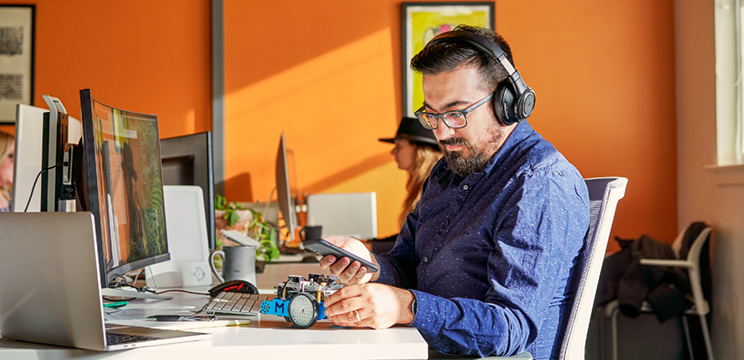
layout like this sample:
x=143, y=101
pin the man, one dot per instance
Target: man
x=485, y=264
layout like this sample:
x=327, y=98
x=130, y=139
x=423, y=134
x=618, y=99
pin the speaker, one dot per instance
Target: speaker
x=514, y=100
x=188, y=243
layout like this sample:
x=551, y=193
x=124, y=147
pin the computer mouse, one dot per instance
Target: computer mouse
x=238, y=286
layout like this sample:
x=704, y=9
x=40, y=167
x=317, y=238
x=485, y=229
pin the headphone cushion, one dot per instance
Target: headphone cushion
x=503, y=104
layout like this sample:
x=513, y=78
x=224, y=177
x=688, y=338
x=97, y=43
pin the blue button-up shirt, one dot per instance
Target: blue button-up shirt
x=491, y=257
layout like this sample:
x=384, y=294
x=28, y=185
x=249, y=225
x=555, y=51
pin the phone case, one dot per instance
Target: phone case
x=323, y=248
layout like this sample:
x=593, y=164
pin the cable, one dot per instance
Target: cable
x=152, y=276
x=37, y=179
x=182, y=291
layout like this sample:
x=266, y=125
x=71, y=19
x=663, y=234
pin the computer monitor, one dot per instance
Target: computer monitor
x=29, y=128
x=188, y=160
x=122, y=185
x=55, y=180
x=283, y=189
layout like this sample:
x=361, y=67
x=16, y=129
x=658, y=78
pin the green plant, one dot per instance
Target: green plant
x=265, y=235
x=257, y=228
x=231, y=214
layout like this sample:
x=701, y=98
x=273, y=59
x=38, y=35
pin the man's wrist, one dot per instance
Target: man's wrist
x=412, y=307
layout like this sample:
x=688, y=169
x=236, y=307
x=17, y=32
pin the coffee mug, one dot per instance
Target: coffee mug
x=238, y=263
x=311, y=232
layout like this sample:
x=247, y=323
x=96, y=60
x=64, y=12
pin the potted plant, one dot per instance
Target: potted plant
x=233, y=216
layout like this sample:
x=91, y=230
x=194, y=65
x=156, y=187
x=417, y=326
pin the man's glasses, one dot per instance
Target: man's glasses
x=456, y=119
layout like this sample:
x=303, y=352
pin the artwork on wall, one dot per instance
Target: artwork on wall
x=421, y=21
x=16, y=59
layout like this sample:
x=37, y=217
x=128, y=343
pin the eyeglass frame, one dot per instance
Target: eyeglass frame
x=420, y=114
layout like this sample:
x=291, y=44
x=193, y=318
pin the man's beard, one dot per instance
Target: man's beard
x=478, y=157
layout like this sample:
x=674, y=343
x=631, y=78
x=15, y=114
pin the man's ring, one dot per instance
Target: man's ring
x=356, y=313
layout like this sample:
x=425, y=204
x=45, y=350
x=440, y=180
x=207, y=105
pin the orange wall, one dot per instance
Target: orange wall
x=145, y=56
x=328, y=75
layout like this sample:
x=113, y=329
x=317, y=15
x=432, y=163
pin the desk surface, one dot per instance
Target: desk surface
x=266, y=337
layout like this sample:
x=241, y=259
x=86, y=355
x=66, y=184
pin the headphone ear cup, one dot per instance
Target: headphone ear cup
x=503, y=104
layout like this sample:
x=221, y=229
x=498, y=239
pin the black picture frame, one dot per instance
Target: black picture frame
x=421, y=21
x=17, y=53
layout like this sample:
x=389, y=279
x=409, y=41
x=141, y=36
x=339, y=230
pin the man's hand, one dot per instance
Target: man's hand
x=374, y=305
x=349, y=272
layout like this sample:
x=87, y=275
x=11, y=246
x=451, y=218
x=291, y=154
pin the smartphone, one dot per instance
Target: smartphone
x=323, y=248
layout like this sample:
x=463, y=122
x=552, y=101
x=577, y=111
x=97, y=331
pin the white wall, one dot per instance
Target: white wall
x=714, y=196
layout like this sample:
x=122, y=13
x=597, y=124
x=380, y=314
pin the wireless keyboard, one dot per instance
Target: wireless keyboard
x=237, y=303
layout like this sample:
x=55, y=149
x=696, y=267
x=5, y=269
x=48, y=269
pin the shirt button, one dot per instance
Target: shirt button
x=465, y=187
x=426, y=259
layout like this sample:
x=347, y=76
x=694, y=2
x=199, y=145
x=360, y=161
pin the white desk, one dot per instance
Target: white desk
x=269, y=337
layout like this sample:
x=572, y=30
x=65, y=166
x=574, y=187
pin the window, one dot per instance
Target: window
x=728, y=14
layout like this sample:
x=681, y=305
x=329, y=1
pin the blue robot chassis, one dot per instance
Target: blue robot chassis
x=300, y=300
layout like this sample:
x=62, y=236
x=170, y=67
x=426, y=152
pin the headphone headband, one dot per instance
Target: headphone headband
x=514, y=101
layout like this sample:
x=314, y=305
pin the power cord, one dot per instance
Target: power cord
x=30, y=196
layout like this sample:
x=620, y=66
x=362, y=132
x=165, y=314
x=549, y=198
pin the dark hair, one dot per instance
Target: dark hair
x=448, y=56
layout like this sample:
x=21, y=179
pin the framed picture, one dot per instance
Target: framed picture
x=421, y=21
x=16, y=59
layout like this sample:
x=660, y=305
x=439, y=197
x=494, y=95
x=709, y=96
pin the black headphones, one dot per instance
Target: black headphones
x=514, y=100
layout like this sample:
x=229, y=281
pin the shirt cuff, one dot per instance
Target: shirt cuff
x=426, y=312
x=385, y=276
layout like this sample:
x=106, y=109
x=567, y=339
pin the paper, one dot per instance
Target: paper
x=181, y=325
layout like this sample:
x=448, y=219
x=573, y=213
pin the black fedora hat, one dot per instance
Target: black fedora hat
x=411, y=129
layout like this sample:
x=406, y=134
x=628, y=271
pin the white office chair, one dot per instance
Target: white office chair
x=604, y=194
x=700, y=305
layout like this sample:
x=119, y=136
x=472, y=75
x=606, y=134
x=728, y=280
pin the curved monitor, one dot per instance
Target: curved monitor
x=284, y=193
x=123, y=186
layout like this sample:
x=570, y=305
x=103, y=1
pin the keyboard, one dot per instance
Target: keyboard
x=237, y=303
x=116, y=339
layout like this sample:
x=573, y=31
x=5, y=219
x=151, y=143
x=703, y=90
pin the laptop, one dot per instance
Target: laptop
x=50, y=286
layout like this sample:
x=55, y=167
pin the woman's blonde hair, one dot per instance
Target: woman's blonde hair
x=424, y=161
x=6, y=145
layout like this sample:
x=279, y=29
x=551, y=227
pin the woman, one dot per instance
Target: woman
x=7, y=149
x=416, y=151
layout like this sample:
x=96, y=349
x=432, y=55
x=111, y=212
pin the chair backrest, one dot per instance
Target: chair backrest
x=691, y=249
x=700, y=274
x=604, y=193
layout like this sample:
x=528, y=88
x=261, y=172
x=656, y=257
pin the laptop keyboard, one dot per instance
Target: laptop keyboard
x=117, y=339
x=237, y=303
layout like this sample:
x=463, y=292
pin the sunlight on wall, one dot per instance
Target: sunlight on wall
x=327, y=124
x=184, y=126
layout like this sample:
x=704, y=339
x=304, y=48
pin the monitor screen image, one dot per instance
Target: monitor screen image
x=187, y=160
x=123, y=186
x=284, y=190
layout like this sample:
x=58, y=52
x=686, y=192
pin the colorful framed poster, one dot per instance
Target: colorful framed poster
x=421, y=21
x=16, y=59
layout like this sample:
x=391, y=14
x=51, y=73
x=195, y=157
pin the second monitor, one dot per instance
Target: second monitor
x=188, y=160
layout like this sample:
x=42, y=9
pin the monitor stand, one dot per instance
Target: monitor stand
x=133, y=294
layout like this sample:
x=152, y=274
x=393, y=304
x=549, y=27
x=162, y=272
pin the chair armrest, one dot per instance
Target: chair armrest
x=669, y=263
